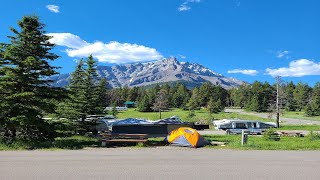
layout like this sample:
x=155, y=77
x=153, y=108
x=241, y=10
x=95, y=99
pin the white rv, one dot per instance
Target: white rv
x=235, y=126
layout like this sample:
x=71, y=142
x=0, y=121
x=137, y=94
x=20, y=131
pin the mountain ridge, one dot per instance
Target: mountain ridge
x=162, y=71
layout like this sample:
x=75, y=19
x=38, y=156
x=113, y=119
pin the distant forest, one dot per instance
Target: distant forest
x=27, y=95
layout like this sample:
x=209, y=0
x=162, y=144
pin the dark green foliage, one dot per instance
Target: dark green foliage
x=271, y=134
x=87, y=96
x=313, y=108
x=114, y=111
x=144, y=104
x=301, y=95
x=291, y=104
x=214, y=106
x=194, y=101
x=24, y=85
x=256, y=97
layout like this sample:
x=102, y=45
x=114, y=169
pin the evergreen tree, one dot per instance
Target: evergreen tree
x=290, y=101
x=102, y=95
x=214, y=106
x=144, y=104
x=180, y=97
x=205, y=92
x=302, y=95
x=91, y=94
x=315, y=102
x=73, y=107
x=24, y=80
x=194, y=101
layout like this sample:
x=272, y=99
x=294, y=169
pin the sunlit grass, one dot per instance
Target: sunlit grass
x=200, y=115
x=299, y=115
x=260, y=143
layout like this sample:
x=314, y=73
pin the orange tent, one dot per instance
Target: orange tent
x=185, y=136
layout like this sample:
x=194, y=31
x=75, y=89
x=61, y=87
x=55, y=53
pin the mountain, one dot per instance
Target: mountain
x=147, y=74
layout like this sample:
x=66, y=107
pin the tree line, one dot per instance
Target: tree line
x=261, y=97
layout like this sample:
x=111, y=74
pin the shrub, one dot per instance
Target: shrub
x=271, y=134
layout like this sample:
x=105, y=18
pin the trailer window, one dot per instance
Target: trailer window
x=241, y=126
x=254, y=125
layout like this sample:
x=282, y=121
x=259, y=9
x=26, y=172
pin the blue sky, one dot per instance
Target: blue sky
x=246, y=39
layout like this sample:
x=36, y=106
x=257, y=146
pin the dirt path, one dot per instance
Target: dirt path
x=282, y=120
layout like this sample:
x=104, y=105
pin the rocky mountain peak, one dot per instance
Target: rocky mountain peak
x=165, y=70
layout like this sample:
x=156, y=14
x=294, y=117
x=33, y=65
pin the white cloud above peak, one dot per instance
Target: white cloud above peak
x=244, y=71
x=281, y=54
x=297, y=68
x=53, y=8
x=185, y=6
x=111, y=52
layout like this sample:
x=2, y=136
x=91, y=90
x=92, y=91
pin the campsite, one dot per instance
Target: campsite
x=175, y=89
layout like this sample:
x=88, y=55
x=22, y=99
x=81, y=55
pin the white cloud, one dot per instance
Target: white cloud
x=185, y=6
x=53, y=8
x=111, y=52
x=281, y=54
x=182, y=56
x=298, y=68
x=244, y=71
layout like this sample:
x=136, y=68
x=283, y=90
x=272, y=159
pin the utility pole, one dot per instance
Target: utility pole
x=278, y=79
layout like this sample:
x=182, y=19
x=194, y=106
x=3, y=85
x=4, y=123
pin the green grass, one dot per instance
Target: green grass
x=299, y=115
x=200, y=115
x=260, y=143
x=300, y=127
x=74, y=142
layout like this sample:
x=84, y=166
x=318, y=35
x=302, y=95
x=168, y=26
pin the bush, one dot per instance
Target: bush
x=271, y=134
x=314, y=136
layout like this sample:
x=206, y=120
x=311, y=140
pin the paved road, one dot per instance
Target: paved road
x=282, y=119
x=159, y=163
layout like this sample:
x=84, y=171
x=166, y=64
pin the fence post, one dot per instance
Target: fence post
x=244, y=137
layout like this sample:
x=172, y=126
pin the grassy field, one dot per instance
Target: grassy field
x=200, y=115
x=260, y=143
x=299, y=115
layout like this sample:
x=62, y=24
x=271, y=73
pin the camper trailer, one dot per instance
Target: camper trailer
x=235, y=126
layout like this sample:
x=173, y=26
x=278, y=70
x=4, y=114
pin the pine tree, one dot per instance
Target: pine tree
x=90, y=86
x=102, y=92
x=194, y=101
x=24, y=80
x=290, y=101
x=180, y=97
x=73, y=107
x=315, y=102
x=301, y=95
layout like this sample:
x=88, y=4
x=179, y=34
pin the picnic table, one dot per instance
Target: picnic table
x=120, y=137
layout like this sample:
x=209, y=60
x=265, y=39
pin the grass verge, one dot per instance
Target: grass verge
x=260, y=143
x=74, y=142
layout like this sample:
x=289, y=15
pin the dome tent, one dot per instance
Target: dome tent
x=185, y=136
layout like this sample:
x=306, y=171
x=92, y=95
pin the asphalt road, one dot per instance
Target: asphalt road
x=159, y=163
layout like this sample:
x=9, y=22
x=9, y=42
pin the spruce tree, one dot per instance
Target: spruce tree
x=73, y=108
x=25, y=72
x=102, y=95
x=90, y=86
